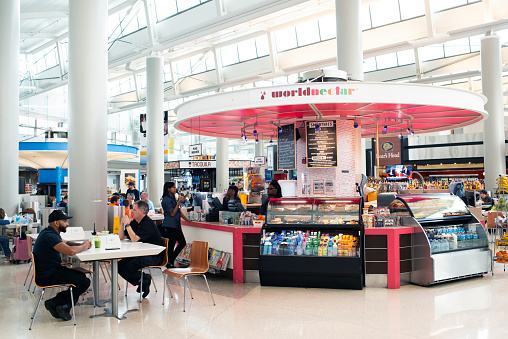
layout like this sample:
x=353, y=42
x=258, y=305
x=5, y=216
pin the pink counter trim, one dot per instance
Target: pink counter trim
x=393, y=250
x=238, y=232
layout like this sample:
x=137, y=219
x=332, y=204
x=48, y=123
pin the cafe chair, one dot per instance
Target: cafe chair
x=163, y=264
x=43, y=289
x=198, y=266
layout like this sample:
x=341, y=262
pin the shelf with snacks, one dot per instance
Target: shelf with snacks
x=321, y=248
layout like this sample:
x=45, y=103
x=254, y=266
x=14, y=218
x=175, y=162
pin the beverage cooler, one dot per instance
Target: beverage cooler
x=312, y=243
x=449, y=242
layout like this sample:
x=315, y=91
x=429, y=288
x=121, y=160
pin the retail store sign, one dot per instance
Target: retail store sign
x=390, y=151
x=195, y=150
x=303, y=91
x=259, y=161
x=197, y=164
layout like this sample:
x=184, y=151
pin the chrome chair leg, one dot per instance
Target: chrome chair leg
x=153, y=281
x=190, y=289
x=209, y=290
x=72, y=303
x=141, y=286
x=35, y=310
x=184, y=288
x=163, y=288
x=27, y=274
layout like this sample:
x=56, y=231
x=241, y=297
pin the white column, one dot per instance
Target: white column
x=349, y=37
x=155, y=128
x=88, y=71
x=493, y=127
x=222, y=161
x=259, y=149
x=9, y=105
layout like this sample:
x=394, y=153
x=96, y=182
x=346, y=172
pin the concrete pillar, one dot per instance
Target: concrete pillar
x=259, y=149
x=349, y=37
x=493, y=127
x=222, y=162
x=88, y=71
x=9, y=106
x=350, y=57
x=155, y=128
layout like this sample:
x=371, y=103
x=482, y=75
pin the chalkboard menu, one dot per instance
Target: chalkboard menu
x=286, y=148
x=321, y=144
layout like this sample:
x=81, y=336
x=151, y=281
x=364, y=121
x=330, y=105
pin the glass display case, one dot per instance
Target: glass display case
x=321, y=211
x=312, y=243
x=449, y=242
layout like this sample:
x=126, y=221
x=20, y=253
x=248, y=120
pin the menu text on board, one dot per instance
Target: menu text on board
x=321, y=144
x=286, y=148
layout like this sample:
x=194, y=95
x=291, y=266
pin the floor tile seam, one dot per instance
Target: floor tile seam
x=215, y=317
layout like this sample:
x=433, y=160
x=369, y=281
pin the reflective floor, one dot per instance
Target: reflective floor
x=471, y=308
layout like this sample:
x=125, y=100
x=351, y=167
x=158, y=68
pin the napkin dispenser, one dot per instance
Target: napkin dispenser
x=111, y=242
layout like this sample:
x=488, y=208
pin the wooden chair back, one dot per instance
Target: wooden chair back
x=165, y=256
x=199, y=256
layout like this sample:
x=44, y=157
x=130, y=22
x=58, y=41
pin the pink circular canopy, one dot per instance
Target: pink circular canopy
x=421, y=108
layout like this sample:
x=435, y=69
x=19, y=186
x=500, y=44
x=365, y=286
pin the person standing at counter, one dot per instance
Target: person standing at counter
x=487, y=201
x=132, y=190
x=171, y=227
x=274, y=191
x=231, y=198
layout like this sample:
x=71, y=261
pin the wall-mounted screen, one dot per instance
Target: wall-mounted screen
x=398, y=171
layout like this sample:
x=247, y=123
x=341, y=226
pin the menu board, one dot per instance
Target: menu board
x=321, y=144
x=286, y=148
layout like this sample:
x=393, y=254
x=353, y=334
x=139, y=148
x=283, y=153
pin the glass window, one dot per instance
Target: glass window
x=182, y=68
x=51, y=59
x=503, y=36
x=327, y=27
x=286, y=39
x=197, y=68
x=247, y=50
x=411, y=9
x=210, y=62
x=369, y=65
x=129, y=26
x=229, y=55
x=441, y=5
x=456, y=47
x=386, y=61
x=431, y=52
x=365, y=14
x=141, y=80
x=384, y=12
x=307, y=33
x=40, y=65
x=165, y=9
x=186, y=4
x=406, y=57
x=167, y=72
x=262, y=46
x=474, y=42
x=113, y=24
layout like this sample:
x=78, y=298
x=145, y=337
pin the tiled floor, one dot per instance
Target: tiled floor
x=472, y=308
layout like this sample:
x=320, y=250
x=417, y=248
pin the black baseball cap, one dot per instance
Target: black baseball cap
x=58, y=215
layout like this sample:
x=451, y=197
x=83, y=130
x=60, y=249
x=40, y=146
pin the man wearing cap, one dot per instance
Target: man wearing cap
x=132, y=190
x=48, y=269
x=142, y=229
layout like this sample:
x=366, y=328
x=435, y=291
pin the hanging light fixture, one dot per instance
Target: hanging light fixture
x=400, y=136
x=385, y=127
x=280, y=129
x=255, y=132
x=412, y=130
x=257, y=141
x=355, y=124
x=317, y=126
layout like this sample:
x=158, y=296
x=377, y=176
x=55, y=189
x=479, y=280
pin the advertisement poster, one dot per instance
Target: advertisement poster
x=318, y=187
x=142, y=138
x=330, y=187
x=321, y=144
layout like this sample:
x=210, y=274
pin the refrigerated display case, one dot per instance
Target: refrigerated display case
x=312, y=243
x=449, y=242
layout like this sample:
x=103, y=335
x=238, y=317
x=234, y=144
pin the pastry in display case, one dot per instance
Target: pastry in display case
x=312, y=243
x=449, y=242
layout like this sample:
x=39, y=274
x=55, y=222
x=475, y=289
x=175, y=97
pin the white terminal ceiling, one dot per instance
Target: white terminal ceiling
x=202, y=34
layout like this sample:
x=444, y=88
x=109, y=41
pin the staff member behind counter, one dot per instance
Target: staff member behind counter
x=231, y=201
x=274, y=191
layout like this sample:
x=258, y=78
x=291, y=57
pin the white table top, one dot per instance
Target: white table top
x=157, y=217
x=129, y=249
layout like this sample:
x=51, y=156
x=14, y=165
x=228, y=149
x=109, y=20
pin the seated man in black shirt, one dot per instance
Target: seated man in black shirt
x=48, y=268
x=487, y=201
x=143, y=229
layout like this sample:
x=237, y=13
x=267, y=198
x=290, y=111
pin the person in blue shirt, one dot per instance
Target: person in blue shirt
x=48, y=269
x=171, y=227
x=144, y=197
x=4, y=241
